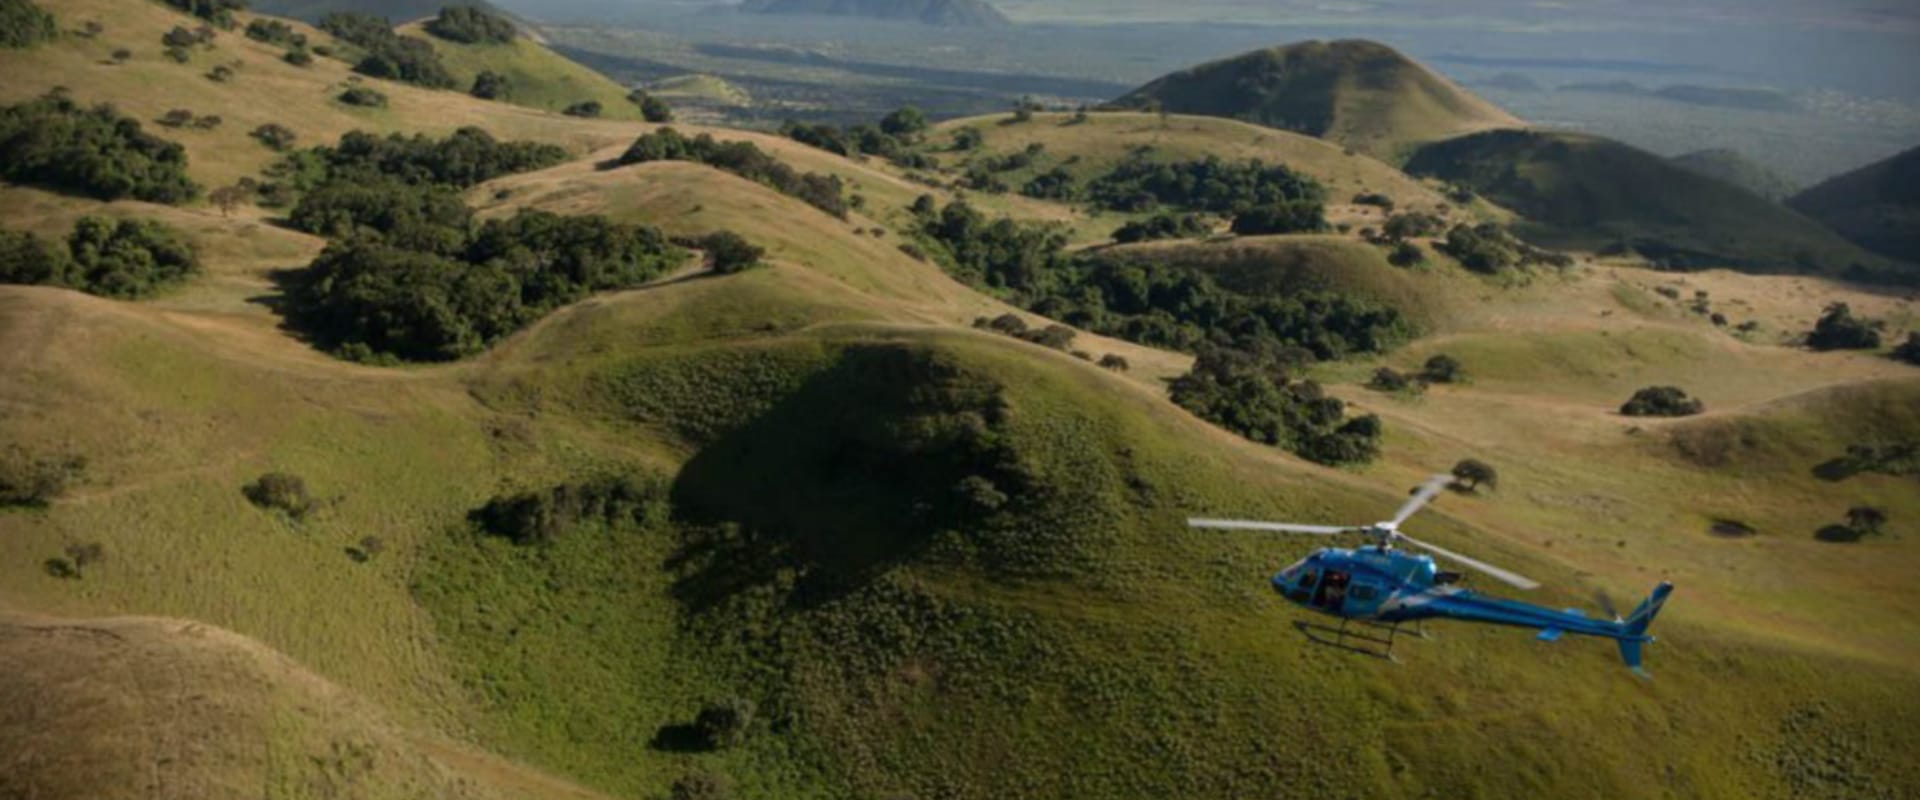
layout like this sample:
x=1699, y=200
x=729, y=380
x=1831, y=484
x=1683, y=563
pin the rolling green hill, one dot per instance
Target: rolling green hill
x=1586, y=192
x=536, y=76
x=1730, y=166
x=910, y=557
x=1876, y=206
x=1360, y=94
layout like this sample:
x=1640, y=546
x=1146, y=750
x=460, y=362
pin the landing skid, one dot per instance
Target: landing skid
x=1364, y=642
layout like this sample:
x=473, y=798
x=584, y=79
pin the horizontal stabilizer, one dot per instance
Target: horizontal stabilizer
x=1549, y=634
x=1575, y=612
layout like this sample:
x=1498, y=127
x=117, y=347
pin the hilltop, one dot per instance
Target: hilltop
x=570, y=563
x=1361, y=94
x=536, y=77
x=1734, y=167
x=942, y=13
x=1587, y=192
x=399, y=11
x=1876, y=206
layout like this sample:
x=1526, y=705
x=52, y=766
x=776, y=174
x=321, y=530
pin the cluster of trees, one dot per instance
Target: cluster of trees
x=1662, y=401
x=1210, y=184
x=273, y=31
x=729, y=252
x=1489, y=249
x=891, y=139
x=541, y=516
x=1909, y=351
x=283, y=492
x=1163, y=225
x=275, y=136
x=1058, y=337
x=185, y=118
x=1248, y=343
x=218, y=12
x=1255, y=396
x=490, y=85
x=54, y=142
x=467, y=157
x=1839, y=329
x=1441, y=368
x=388, y=54
x=23, y=24
x=1893, y=458
x=652, y=109
x=125, y=259
x=373, y=295
x=364, y=96
x=1862, y=522
x=740, y=158
x=471, y=25
x=589, y=109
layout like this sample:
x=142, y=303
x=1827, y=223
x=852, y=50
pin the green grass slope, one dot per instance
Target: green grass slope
x=1876, y=206
x=536, y=76
x=1585, y=192
x=1363, y=95
x=1731, y=166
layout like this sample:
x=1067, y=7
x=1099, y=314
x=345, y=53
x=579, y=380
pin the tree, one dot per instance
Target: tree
x=364, y=96
x=280, y=491
x=652, y=109
x=1473, y=473
x=1838, y=329
x=729, y=252
x=471, y=25
x=1115, y=362
x=23, y=24
x=275, y=136
x=220, y=73
x=1910, y=351
x=1441, y=368
x=966, y=139
x=724, y=723
x=229, y=197
x=1866, y=520
x=1023, y=109
x=176, y=118
x=1661, y=401
x=906, y=123
x=54, y=142
x=298, y=57
x=490, y=85
x=1292, y=216
x=1406, y=254
x=33, y=482
x=1387, y=379
x=586, y=108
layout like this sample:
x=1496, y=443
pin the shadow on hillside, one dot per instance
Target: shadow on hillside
x=845, y=479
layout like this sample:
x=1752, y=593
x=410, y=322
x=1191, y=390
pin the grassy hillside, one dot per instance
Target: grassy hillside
x=1730, y=166
x=536, y=77
x=1360, y=94
x=1583, y=191
x=934, y=561
x=1876, y=206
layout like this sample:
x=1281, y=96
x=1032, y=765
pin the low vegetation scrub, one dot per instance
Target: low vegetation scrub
x=388, y=54
x=1471, y=474
x=1839, y=329
x=280, y=491
x=1895, y=458
x=471, y=25
x=273, y=31
x=1910, y=350
x=890, y=139
x=124, y=259
x=588, y=109
x=363, y=96
x=30, y=481
x=275, y=136
x=1211, y=185
x=538, y=517
x=740, y=158
x=1488, y=249
x=1163, y=226
x=725, y=723
x=78, y=558
x=1862, y=522
x=1057, y=337
x=97, y=152
x=24, y=24
x=1662, y=401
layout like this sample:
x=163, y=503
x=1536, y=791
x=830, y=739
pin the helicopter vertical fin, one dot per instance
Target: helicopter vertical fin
x=1634, y=628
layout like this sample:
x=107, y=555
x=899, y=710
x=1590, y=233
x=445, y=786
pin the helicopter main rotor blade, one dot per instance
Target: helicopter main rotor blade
x=1280, y=527
x=1512, y=578
x=1420, y=498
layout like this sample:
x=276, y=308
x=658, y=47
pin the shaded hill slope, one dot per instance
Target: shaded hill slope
x=942, y=13
x=1581, y=191
x=1360, y=94
x=1730, y=166
x=1876, y=206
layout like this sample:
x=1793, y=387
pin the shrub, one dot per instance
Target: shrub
x=207, y=123
x=61, y=568
x=1252, y=396
x=97, y=152
x=29, y=260
x=1441, y=368
x=1374, y=199
x=1868, y=520
x=966, y=139
x=1471, y=474
x=275, y=136
x=176, y=118
x=33, y=482
x=273, y=31
x=539, y=517
x=1909, y=351
x=1294, y=216
x=701, y=785
x=652, y=109
x=1661, y=401
x=388, y=54
x=729, y=252
x=85, y=554
x=365, y=550
x=1162, y=226
x=905, y=122
x=298, y=57
x=490, y=85
x=589, y=109
x=128, y=258
x=1412, y=224
x=1056, y=336
x=23, y=24
x=280, y=491
x=364, y=97
x=471, y=25
x=1115, y=362
x=1838, y=329
x=121, y=54
x=724, y=724
x=1387, y=379
x=1406, y=254
x=220, y=73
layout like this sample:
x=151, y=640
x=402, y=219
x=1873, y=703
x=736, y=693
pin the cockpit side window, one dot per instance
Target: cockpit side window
x=1307, y=577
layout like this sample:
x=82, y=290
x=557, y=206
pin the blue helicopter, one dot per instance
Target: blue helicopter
x=1382, y=585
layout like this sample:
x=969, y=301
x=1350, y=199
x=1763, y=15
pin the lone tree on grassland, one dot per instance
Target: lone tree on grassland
x=1662, y=401
x=1471, y=474
x=1839, y=329
x=1866, y=520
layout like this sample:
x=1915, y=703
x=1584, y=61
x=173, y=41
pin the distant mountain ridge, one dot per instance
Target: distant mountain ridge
x=1362, y=94
x=1711, y=96
x=1876, y=206
x=943, y=13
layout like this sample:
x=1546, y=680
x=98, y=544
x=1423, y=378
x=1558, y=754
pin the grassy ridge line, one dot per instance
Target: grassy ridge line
x=537, y=77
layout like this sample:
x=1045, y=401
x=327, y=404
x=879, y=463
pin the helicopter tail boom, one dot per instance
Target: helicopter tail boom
x=1635, y=627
